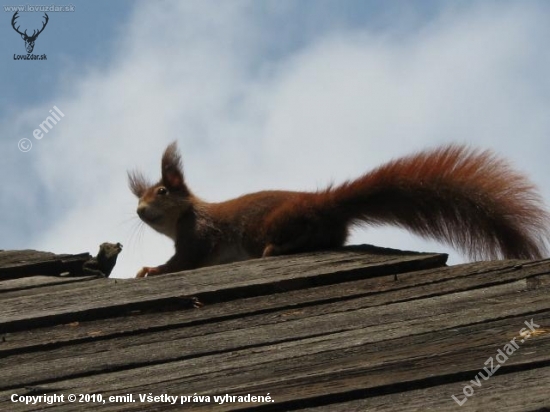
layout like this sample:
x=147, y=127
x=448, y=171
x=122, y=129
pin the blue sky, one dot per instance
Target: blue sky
x=259, y=95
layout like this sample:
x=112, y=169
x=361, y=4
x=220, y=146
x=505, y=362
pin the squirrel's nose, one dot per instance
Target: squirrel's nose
x=142, y=210
x=149, y=214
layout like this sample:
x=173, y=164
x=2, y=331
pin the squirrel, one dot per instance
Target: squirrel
x=467, y=198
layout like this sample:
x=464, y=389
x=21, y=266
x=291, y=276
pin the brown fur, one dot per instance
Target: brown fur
x=469, y=199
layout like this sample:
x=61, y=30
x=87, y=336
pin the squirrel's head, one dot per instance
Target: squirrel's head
x=162, y=204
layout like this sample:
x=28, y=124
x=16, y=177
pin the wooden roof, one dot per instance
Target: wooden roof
x=357, y=329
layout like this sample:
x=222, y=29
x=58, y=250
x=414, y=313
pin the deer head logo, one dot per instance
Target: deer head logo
x=29, y=40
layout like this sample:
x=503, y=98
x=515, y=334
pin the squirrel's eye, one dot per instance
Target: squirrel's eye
x=162, y=191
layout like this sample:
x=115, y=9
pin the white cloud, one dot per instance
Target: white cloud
x=342, y=103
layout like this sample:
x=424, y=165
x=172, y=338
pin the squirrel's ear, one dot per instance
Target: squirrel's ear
x=172, y=170
x=138, y=184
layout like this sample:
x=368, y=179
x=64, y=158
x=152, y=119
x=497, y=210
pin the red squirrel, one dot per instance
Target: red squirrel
x=467, y=198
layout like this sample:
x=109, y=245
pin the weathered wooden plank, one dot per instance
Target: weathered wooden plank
x=381, y=323
x=64, y=303
x=287, y=306
x=321, y=367
x=512, y=392
x=304, y=345
x=21, y=263
x=26, y=283
x=334, y=372
x=192, y=329
x=10, y=259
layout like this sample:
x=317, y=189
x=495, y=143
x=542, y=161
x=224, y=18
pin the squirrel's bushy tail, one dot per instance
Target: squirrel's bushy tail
x=467, y=198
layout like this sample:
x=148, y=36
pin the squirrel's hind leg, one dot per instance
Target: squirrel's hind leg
x=309, y=241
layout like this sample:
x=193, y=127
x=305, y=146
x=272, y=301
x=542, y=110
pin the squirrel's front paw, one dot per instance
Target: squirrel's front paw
x=271, y=250
x=146, y=271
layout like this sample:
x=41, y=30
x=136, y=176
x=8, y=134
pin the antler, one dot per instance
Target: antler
x=43, y=26
x=15, y=16
x=34, y=33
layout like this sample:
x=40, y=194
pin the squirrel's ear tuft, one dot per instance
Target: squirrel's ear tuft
x=138, y=184
x=172, y=169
